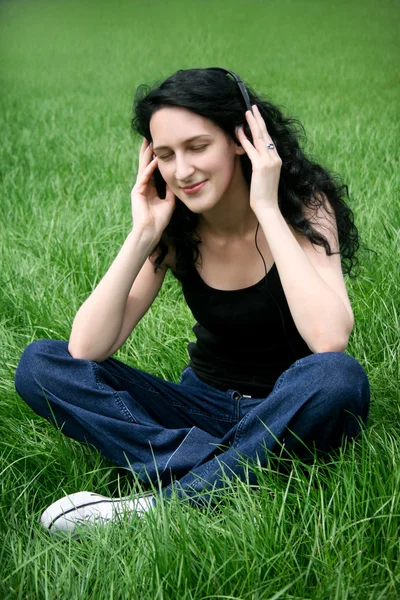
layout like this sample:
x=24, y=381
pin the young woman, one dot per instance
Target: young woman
x=259, y=237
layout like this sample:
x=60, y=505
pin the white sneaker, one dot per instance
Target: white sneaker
x=87, y=508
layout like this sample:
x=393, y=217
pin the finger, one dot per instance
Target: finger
x=247, y=145
x=259, y=142
x=142, y=150
x=259, y=137
x=146, y=155
x=261, y=122
x=144, y=146
x=262, y=125
x=145, y=175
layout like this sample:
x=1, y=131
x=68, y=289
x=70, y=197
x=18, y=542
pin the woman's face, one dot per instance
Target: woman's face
x=210, y=157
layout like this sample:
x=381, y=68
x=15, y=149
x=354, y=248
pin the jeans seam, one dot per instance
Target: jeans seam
x=176, y=449
x=117, y=397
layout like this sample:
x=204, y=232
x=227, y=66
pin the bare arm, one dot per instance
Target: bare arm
x=312, y=281
x=108, y=316
x=116, y=305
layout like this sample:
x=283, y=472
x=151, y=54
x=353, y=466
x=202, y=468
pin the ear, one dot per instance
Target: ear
x=239, y=149
x=238, y=146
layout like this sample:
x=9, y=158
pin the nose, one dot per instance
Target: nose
x=183, y=169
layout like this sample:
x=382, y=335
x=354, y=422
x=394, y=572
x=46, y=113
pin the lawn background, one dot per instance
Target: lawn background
x=68, y=73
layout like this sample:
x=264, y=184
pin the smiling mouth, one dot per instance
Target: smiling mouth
x=195, y=187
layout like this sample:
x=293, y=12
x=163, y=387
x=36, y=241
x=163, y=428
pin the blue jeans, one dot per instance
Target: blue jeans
x=190, y=435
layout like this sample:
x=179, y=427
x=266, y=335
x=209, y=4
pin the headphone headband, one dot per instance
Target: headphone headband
x=235, y=76
x=240, y=83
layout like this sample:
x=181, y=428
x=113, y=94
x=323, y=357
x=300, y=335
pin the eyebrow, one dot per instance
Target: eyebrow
x=185, y=142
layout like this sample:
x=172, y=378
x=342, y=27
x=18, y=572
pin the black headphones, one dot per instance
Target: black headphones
x=240, y=83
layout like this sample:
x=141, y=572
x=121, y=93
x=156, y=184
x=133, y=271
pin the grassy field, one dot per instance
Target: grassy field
x=68, y=73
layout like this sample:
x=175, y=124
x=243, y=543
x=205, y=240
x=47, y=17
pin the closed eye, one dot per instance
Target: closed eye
x=196, y=148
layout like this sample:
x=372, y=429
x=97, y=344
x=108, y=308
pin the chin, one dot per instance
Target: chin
x=200, y=205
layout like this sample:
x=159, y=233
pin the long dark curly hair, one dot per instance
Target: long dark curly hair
x=212, y=94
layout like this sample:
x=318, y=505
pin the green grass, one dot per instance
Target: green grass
x=68, y=72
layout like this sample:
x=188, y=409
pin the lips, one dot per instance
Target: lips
x=194, y=188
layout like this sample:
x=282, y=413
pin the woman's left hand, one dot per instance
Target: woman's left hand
x=266, y=163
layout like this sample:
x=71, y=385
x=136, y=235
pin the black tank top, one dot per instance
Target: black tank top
x=245, y=338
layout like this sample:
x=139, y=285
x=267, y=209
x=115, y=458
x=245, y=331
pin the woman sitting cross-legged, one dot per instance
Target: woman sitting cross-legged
x=259, y=238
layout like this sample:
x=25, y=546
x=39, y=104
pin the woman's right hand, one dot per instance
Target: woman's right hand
x=149, y=212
